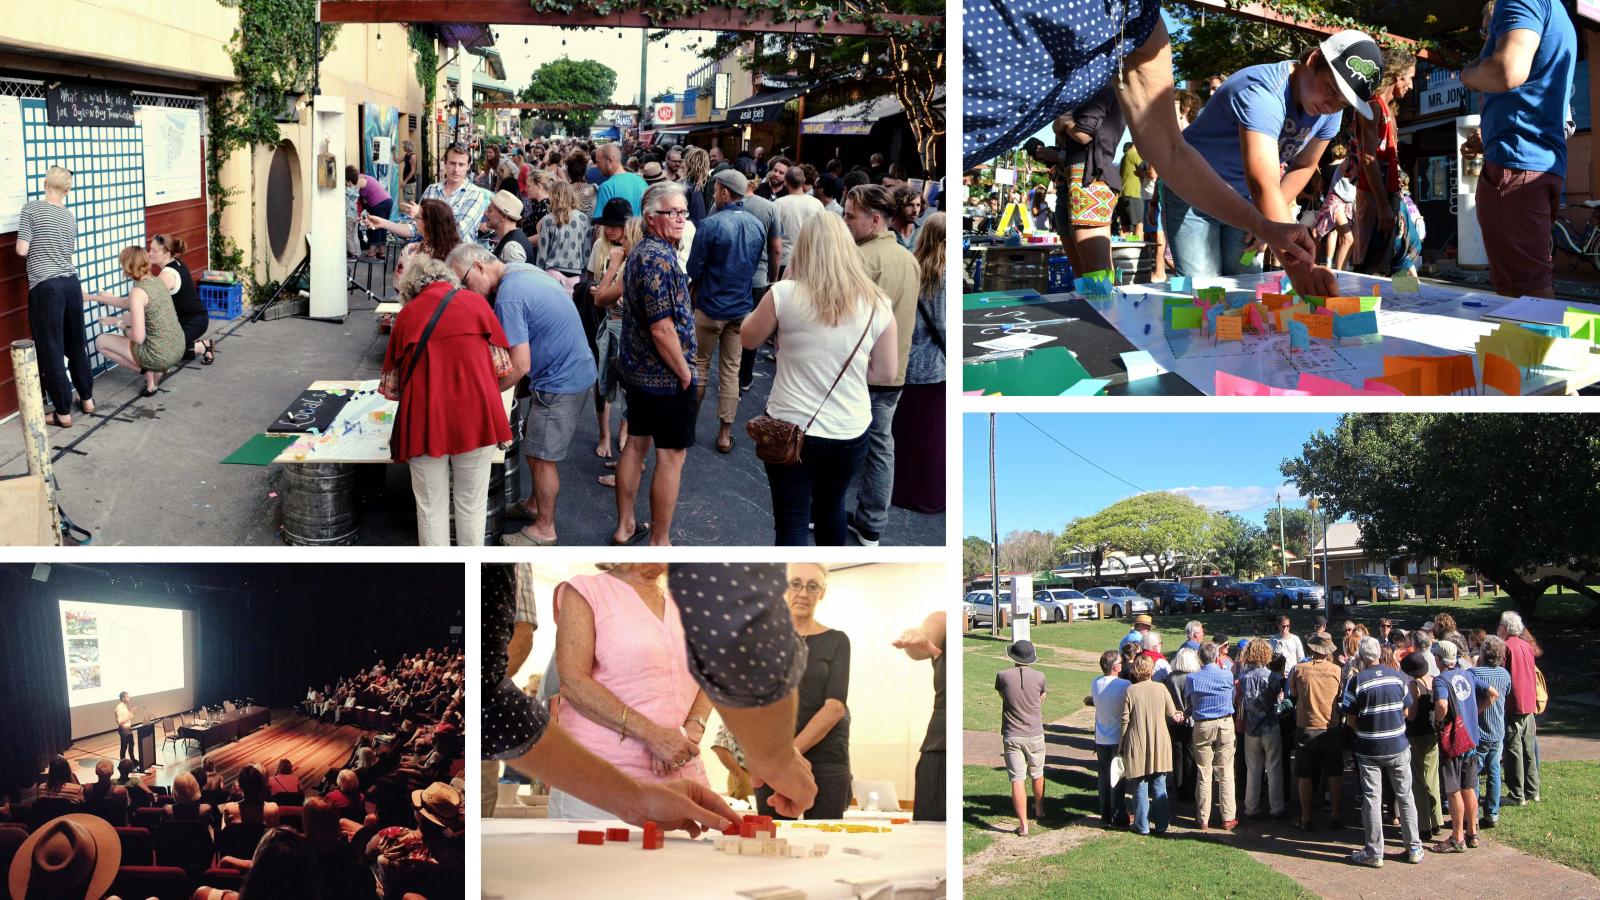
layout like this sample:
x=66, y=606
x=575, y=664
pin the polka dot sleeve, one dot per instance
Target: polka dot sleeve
x=512, y=721
x=1027, y=61
x=743, y=649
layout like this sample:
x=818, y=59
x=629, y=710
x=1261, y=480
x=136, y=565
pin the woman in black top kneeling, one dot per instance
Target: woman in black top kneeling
x=822, y=721
x=166, y=254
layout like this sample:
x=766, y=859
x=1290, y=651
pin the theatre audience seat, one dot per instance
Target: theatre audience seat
x=149, y=817
x=47, y=808
x=160, y=882
x=11, y=837
x=290, y=816
x=136, y=846
x=239, y=841
x=225, y=879
x=186, y=845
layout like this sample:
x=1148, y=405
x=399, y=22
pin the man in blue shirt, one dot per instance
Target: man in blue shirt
x=1263, y=132
x=548, y=346
x=1458, y=775
x=619, y=182
x=1525, y=76
x=1491, y=672
x=722, y=266
x=1378, y=702
x=1208, y=701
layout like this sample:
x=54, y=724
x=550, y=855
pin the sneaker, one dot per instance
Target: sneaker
x=1489, y=821
x=1414, y=856
x=865, y=537
x=1362, y=858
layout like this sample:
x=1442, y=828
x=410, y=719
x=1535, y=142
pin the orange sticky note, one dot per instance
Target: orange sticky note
x=1427, y=374
x=1500, y=374
x=1316, y=326
x=1408, y=381
x=1344, y=306
x=1282, y=315
x=1230, y=328
x=1440, y=374
x=1276, y=301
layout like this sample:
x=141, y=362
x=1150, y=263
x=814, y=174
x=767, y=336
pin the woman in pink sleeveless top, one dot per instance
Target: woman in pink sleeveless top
x=627, y=693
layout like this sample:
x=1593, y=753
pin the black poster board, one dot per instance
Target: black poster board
x=314, y=410
x=70, y=103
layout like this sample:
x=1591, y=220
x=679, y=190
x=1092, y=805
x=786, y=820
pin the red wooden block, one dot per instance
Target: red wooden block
x=899, y=821
x=733, y=827
x=591, y=837
x=653, y=839
x=617, y=834
x=747, y=828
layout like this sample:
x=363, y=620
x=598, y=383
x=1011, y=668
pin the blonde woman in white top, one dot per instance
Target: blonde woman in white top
x=829, y=317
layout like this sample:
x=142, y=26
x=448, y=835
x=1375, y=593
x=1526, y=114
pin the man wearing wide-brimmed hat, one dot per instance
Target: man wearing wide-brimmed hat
x=69, y=857
x=1316, y=736
x=1022, y=690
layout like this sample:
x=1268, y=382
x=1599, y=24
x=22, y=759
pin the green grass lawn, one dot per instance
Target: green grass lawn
x=1103, y=865
x=1565, y=827
x=1064, y=692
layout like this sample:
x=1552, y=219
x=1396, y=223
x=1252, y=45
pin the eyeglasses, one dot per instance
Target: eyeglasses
x=809, y=587
x=671, y=213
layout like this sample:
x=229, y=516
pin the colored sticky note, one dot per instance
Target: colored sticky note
x=1559, y=331
x=1276, y=301
x=1381, y=388
x=1248, y=258
x=1227, y=384
x=1318, y=386
x=1406, y=283
x=976, y=393
x=1369, y=304
x=1299, y=336
x=1407, y=382
x=1178, y=284
x=1317, y=326
x=1500, y=374
x=1343, y=306
x=1211, y=294
x=1237, y=301
x=1230, y=328
x=1252, y=318
x=1313, y=301
x=1287, y=313
x=1355, y=324
x=1437, y=374
x=1184, y=317
x=1140, y=364
x=1087, y=387
x=1212, y=315
x=1377, y=290
x=1582, y=324
x=1273, y=284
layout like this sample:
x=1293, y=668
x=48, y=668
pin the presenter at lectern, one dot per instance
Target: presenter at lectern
x=124, y=727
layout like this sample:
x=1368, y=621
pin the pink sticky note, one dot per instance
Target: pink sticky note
x=1253, y=317
x=1373, y=386
x=1318, y=386
x=1323, y=310
x=1228, y=385
x=976, y=393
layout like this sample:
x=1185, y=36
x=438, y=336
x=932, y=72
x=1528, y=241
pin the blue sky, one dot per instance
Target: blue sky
x=1223, y=460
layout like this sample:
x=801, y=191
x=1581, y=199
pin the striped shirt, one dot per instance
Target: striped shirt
x=52, y=235
x=1378, y=698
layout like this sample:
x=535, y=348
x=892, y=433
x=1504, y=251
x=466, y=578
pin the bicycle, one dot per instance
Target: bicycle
x=1585, y=245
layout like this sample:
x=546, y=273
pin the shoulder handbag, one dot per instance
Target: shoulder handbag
x=411, y=365
x=779, y=442
x=1454, y=741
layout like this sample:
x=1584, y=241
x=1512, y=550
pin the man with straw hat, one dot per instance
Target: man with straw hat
x=1022, y=691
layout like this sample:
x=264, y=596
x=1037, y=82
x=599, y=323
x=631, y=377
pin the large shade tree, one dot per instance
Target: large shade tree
x=1090, y=536
x=571, y=81
x=1027, y=551
x=1241, y=547
x=976, y=557
x=1504, y=494
x=1161, y=528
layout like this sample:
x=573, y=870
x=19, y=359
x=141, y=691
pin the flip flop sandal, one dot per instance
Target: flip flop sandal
x=518, y=539
x=210, y=354
x=641, y=531
x=727, y=449
x=55, y=419
x=609, y=481
x=611, y=464
x=87, y=406
x=149, y=393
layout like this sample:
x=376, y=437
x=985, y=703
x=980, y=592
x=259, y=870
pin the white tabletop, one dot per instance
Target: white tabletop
x=542, y=858
x=1439, y=320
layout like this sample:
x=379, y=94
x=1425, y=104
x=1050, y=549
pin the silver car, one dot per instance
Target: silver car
x=979, y=605
x=1120, y=600
x=1053, y=604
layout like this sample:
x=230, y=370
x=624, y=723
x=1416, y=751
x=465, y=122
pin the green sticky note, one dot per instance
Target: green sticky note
x=1406, y=283
x=1248, y=259
x=1042, y=373
x=1582, y=324
x=1212, y=294
x=1314, y=302
x=1368, y=304
x=1186, y=317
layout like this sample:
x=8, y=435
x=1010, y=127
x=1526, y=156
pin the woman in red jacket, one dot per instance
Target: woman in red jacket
x=451, y=417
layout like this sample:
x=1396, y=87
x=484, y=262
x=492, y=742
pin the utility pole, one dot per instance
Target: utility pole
x=1283, y=548
x=994, y=541
x=644, y=62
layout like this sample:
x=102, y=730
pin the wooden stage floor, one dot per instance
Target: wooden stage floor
x=314, y=747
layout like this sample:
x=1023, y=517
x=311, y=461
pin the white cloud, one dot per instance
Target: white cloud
x=1251, y=501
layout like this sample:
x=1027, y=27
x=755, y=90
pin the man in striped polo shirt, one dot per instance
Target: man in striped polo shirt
x=1377, y=703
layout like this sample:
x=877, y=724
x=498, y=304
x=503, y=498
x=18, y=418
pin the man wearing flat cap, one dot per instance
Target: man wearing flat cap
x=505, y=212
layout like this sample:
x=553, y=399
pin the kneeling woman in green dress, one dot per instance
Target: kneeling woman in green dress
x=149, y=338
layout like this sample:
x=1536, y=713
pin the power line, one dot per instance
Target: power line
x=1086, y=459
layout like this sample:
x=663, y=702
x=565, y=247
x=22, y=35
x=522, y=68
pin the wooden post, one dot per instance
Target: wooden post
x=1374, y=591
x=1427, y=591
x=1480, y=588
x=35, y=439
x=1455, y=591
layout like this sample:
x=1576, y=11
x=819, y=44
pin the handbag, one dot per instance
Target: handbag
x=779, y=442
x=1454, y=741
x=411, y=365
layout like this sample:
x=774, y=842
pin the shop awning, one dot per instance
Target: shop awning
x=766, y=106
x=858, y=118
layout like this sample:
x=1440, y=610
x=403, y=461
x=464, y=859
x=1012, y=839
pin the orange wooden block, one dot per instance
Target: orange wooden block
x=1230, y=328
x=1344, y=306
x=1316, y=326
x=1500, y=374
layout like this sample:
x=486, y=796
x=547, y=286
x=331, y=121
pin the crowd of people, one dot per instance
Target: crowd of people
x=163, y=323
x=1436, y=725
x=613, y=274
x=388, y=821
x=1265, y=155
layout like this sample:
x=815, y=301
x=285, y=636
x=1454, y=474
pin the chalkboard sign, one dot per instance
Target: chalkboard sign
x=89, y=104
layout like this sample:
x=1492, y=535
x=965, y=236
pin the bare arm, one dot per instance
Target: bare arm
x=1506, y=69
x=884, y=363
x=575, y=663
x=22, y=248
x=924, y=642
x=521, y=362
x=759, y=325
x=765, y=734
x=1301, y=169
x=1266, y=186
x=136, y=303
x=665, y=337
x=829, y=715
x=1147, y=103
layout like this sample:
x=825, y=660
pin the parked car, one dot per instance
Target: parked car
x=1054, y=603
x=1120, y=601
x=1359, y=587
x=1168, y=596
x=1217, y=592
x=1294, y=592
x=1258, y=596
x=979, y=605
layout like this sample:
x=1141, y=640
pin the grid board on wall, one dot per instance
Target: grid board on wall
x=107, y=198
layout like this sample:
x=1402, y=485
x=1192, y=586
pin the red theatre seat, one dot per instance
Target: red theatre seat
x=161, y=882
x=136, y=847
x=292, y=817
x=223, y=879
x=11, y=837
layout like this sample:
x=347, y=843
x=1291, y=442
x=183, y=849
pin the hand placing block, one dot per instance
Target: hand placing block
x=732, y=829
x=596, y=838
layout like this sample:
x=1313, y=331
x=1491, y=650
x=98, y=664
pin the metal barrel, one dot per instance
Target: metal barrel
x=319, y=504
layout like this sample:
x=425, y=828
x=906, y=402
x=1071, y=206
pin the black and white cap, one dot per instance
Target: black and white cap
x=1357, y=67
